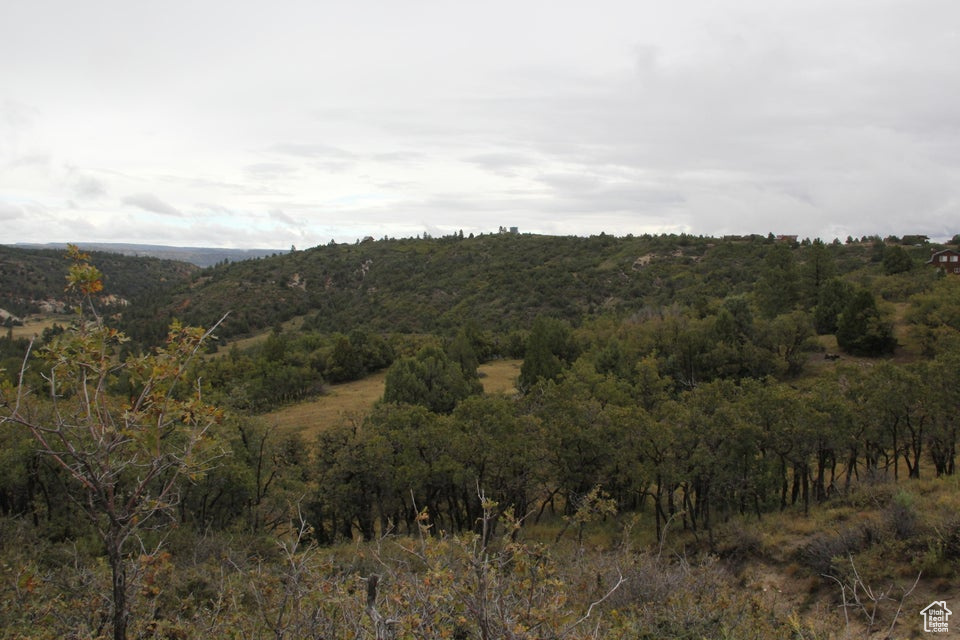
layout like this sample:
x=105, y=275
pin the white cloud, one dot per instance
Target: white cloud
x=504, y=163
x=310, y=150
x=369, y=118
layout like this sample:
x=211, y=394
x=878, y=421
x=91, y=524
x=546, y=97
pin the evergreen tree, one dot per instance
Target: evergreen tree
x=860, y=329
x=461, y=351
x=430, y=379
x=818, y=268
x=548, y=349
x=778, y=289
x=831, y=300
x=896, y=260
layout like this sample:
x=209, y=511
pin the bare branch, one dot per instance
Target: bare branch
x=620, y=581
x=906, y=594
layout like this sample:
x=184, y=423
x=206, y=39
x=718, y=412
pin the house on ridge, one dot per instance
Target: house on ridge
x=947, y=260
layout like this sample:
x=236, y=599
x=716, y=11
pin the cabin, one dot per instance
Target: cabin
x=947, y=260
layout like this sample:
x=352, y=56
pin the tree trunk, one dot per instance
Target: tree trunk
x=118, y=570
x=851, y=469
x=783, y=482
x=383, y=628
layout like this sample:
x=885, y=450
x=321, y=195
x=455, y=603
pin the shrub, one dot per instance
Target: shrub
x=826, y=550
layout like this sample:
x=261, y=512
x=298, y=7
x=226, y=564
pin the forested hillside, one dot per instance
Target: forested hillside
x=499, y=281
x=199, y=256
x=32, y=280
x=695, y=420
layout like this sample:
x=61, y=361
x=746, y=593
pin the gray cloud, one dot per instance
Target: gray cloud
x=202, y=183
x=397, y=185
x=569, y=183
x=280, y=216
x=502, y=163
x=9, y=211
x=151, y=203
x=31, y=160
x=215, y=208
x=398, y=157
x=608, y=194
x=88, y=187
x=709, y=117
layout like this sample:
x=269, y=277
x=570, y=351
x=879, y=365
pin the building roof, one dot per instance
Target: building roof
x=935, y=254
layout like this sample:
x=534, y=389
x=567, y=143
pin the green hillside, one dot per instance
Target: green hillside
x=498, y=281
x=699, y=438
x=33, y=280
x=199, y=256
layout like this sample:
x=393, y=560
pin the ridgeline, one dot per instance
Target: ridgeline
x=500, y=282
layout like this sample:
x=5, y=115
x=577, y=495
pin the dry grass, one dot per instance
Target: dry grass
x=294, y=324
x=34, y=326
x=500, y=376
x=883, y=560
x=355, y=399
x=342, y=401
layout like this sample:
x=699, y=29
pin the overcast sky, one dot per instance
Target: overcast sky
x=255, y=124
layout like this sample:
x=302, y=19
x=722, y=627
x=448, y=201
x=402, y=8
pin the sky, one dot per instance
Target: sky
x=269, y=125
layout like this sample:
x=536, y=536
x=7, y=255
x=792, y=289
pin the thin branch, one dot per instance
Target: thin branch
x=193, y=353
x=896, y=616
x=843, y=598
x=586, y=616
x=20, y=382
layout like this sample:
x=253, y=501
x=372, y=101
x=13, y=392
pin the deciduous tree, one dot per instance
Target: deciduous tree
x=126, y=458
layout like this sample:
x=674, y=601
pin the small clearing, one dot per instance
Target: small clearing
x=353, y=400
x=33, y=326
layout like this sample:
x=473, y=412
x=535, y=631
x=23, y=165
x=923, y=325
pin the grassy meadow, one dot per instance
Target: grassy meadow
x=35, y=325
x=352, y=400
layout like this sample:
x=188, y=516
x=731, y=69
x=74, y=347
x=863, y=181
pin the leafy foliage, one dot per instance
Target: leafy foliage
x=832, y=298
x=288, y=367
x=935, y=316
x=123, y=460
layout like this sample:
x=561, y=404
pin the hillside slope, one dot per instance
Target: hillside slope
x=499, y=282
x=199, y=256
x=33, y=280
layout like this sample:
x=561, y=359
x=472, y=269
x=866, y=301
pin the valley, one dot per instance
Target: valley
x=540, y=437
